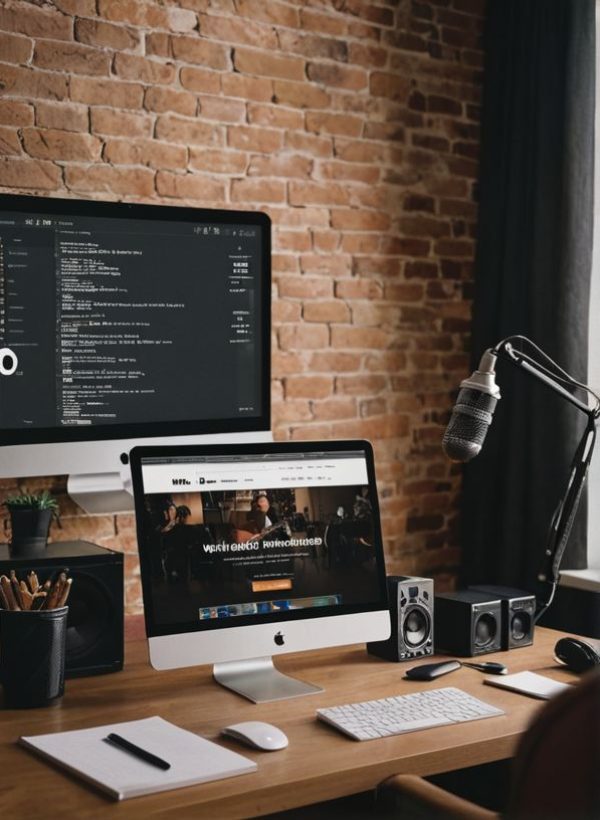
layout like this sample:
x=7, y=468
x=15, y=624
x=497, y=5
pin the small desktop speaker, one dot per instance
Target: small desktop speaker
x=518, y=614
x=468, y=623
x=411, y=611
x=94, y=643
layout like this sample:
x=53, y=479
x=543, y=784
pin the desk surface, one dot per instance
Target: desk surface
x=319, y=763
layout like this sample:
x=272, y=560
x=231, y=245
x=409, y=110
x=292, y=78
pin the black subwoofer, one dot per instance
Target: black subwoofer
x=411, y=613
x=518, y=614
x=468, y=623
x=94, y=642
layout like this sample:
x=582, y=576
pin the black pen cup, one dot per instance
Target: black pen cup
x=32, y=656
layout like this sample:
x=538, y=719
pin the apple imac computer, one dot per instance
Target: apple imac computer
x=124, y=324
x=249, y=551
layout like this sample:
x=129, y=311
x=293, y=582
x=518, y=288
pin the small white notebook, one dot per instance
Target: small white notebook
x=529, y=683
x=193, y=759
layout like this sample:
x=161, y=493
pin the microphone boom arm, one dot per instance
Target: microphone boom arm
x=563, y=518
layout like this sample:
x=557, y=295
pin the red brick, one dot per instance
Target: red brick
x=300, y=95
x=106, y=35
x=280, y=166
x=323, y=23
x=131, y=67
x=310, y=432
x=177, y=129
x=283, y=262
x=300, y=217
x=315, y=146
x=392, y=86
x=202, y=52
x=199, y=80
x=437, y=104
x=368, y=56
x=304, y=287
x=285, y=312
x=251, y=138
x=274, y=116
x=316, y=193
x=454, y=247
x=359, y=337
x=308, y=387
x=190, y=186
x=360, y=243
x=218, y=161
x=272, y=12
x=339, y=76
x=26, y=82
x=350, y=171
x=268, y=65
x=292, y=240
x=145, y=152
x=120, y=123
x=286, y=363
x=247, y=88
x=290, y=411
x=135, y=182
x=334, y=361
x=359, y=220
x=250, y=190
x=325, y=264
x=345, y=125
x=359, y=151
x=71, y=57
x=15, y=113
x=28, y=173
x=9, y=141
x=14, y=48
x=62, y=116
x=334, y=409
x=134, y=12
x=158, y=44
x=221, y=109
x=334, y=311
x=303, y=337
x=358, y=289
x=81, y=7
x=36, y=22
x=236, y=30
x=106, y=92
x=312, y=45
x=52, y=144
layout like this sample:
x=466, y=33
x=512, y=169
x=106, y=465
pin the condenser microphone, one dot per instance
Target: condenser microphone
x=473, y=411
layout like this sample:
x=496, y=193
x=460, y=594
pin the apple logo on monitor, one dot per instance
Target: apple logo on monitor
x=279, y=639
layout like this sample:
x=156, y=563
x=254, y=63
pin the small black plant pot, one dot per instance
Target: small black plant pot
x=29, y=531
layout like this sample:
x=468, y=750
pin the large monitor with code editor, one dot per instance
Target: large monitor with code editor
x=123, y=324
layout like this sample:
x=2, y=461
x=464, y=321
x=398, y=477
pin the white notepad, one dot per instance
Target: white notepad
x=193, y=759
x=529, y=683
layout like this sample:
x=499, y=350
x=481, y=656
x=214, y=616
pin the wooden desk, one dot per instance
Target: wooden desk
x=319, y=763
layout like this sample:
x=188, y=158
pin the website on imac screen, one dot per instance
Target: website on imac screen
x=228, y=537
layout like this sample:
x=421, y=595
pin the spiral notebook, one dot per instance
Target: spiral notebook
x=193, y=759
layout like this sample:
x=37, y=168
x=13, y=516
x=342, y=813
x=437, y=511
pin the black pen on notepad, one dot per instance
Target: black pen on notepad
x=142, y=754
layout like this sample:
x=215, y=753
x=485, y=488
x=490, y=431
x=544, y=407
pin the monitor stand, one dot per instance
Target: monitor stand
x=259, y=680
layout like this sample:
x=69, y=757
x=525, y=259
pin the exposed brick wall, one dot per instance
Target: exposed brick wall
x=354, y=124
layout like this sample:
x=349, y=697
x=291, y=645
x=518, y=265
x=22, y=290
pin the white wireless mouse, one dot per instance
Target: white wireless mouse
x=257, y=734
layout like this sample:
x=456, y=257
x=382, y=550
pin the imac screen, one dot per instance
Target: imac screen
x=129, y=320
x=262, y=534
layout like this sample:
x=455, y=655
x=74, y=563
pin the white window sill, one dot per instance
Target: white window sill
x=588, y=579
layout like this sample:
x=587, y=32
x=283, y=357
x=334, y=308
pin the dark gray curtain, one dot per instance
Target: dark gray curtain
x=532, y=276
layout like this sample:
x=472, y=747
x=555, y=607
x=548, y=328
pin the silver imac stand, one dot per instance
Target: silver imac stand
x=259, y=681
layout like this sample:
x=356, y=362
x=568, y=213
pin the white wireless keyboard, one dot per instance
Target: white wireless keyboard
x=406, y=713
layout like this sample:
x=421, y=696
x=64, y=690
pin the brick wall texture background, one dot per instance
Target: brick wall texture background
x=355, y=125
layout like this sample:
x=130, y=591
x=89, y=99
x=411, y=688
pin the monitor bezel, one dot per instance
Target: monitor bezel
x=154, y=629
x=155, y=429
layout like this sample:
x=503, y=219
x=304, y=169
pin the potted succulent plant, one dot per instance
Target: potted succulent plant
x=30, y=518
